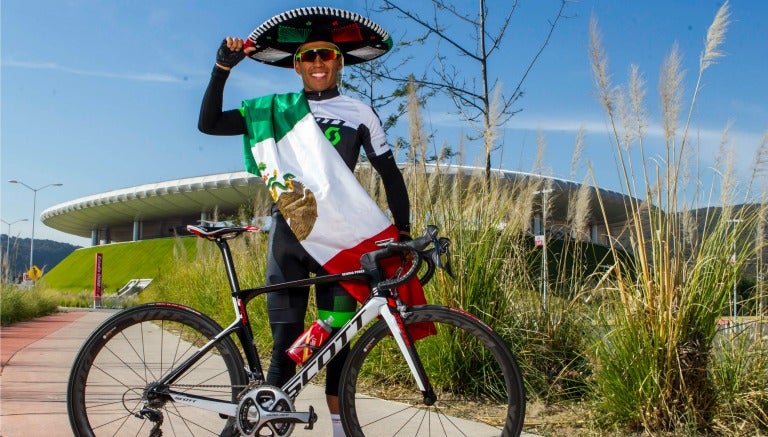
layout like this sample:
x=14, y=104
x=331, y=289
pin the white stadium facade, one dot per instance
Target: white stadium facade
x=163, y=209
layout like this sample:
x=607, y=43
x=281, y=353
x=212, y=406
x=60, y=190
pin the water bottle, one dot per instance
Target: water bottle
x=310, y=341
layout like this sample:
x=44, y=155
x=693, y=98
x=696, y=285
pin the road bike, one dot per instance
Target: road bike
x=166, y=369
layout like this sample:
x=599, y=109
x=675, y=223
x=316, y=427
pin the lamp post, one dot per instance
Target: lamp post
x=734, y=222
x=8, y=248
x=544, y=263
x=34, y=211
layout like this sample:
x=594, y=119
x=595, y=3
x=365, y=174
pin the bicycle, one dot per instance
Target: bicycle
x=167, y=367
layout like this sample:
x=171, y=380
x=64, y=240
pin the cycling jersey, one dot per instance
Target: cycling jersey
x=348, y=124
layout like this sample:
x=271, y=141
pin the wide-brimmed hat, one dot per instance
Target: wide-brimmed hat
x=277, y=39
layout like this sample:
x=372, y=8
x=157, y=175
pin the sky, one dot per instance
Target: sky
x=103, y=95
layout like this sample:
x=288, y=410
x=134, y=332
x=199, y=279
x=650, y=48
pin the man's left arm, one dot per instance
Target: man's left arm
x=395, y=189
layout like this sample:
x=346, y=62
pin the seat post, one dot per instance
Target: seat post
x=226, y=253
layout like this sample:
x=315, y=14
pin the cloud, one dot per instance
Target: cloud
x=708, y=137
x=703, y=142
x=653, y=130
x=139, y=77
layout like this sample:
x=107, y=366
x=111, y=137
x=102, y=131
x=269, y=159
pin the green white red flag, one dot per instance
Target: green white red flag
x=331, y=214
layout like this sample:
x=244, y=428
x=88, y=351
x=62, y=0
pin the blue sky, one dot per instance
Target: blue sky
x=103, y=95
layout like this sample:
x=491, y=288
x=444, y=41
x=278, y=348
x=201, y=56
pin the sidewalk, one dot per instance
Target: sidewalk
x=36, y=360
x=16, y=337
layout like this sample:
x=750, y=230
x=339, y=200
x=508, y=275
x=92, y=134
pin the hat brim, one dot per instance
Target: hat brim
x=277, y=39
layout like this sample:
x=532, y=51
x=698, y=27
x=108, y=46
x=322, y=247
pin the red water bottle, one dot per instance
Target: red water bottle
x=310, y=341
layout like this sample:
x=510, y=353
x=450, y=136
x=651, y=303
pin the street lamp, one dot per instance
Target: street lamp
x=734, y=222
x=8, y=247
x=544, y=263
x=34, y=211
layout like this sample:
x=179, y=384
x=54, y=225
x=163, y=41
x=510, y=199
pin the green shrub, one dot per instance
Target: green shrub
x=20, y=304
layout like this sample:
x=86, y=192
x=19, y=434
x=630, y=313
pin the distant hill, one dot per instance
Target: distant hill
x=48, y=253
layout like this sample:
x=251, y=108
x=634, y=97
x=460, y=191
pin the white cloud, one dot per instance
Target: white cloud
x=141, y=77
x=709, y=138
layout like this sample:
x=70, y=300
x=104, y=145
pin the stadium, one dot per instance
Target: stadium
x=163, y=209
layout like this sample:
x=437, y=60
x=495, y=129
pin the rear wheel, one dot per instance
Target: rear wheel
x=476, y=379
x=128, y=353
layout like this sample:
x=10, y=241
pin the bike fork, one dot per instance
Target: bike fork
x=394, y=320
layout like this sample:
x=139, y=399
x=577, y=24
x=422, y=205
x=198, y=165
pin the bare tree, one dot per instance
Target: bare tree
x=365, y=80
x=482, y=104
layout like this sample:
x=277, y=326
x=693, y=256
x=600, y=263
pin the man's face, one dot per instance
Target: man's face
x=318, y=75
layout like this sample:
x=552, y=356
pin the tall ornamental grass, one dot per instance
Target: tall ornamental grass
x=740, y=360
x=656, y=364
x=488, y=220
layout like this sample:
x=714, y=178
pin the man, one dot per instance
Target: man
x=329, y=36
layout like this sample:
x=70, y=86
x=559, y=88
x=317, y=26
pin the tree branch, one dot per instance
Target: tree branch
x=496, y=41
x=541, y=50
x=431, y=28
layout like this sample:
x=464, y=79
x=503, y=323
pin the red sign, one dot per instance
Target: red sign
x=97, y=282
x=538, y=240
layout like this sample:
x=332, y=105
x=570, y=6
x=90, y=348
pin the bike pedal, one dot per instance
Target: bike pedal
x=312, y=418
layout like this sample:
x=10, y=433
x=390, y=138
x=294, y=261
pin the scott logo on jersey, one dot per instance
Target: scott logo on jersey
x=331, y=129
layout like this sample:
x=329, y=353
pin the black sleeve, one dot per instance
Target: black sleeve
x=212, y=120
x=394, y=186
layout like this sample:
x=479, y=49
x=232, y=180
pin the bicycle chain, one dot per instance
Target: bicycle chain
x=208, y=386
x=245, y=388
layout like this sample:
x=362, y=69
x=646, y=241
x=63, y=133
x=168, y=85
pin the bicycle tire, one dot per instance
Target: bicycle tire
x=136, y=347
x=476, y=378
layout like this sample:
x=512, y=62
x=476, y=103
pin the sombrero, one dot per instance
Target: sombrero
x=358, y=38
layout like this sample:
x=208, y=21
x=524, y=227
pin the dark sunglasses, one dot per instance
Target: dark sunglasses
x=309, y=55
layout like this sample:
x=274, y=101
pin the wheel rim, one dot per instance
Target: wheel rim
x=473, y=396
x=116, y=380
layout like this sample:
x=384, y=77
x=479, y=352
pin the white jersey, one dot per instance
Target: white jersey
x=348, y=124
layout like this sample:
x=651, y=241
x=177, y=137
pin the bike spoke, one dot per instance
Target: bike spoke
x=468, y=402
x=112, y=388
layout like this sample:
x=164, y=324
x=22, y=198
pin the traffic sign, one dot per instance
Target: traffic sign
x=34, y=273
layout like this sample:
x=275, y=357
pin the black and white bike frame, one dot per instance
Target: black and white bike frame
x=382, y=303
x=384, y=306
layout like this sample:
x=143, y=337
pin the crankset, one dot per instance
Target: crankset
x=267, y=411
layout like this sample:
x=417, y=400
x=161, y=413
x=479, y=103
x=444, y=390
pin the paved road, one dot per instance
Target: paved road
x=36, y=359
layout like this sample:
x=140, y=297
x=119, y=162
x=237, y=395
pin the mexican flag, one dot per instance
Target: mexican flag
x=331, y=214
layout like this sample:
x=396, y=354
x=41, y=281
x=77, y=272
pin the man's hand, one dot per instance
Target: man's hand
x=231, y=51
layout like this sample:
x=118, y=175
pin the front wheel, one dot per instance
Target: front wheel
x=109, y=391
x=475, y=377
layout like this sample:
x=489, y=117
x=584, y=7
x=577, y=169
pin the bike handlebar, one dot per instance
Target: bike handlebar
x=414, y=248
x=417, y=249
x=407, y=276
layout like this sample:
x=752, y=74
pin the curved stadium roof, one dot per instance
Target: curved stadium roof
x=162, y=209
x=179, y=201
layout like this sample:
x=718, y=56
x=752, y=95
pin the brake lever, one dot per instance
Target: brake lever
x=443, y=248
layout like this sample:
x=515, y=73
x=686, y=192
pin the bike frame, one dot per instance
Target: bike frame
x=382, y=304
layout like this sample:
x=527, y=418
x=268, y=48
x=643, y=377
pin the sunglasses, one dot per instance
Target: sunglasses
x=309, y=55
